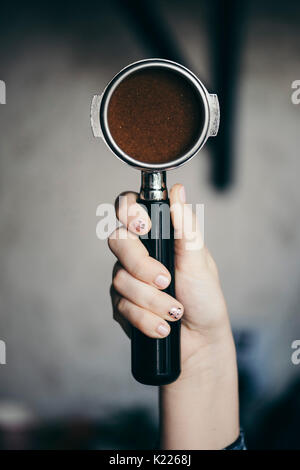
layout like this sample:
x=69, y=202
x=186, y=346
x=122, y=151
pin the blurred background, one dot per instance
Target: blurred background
x=67, y=381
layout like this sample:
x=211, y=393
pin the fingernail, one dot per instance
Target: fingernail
x=162, y=281
x=182, y=195
x=175, y=312
x=162, y=329
x=138, y=225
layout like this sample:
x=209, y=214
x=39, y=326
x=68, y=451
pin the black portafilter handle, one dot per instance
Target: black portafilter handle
x=157, y=361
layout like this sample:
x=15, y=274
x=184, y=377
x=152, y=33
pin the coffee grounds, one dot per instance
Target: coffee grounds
x=155, y=115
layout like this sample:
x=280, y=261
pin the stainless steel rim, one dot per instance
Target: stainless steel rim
x=110, y=90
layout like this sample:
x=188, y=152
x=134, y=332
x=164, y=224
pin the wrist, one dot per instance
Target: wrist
x=200, y=409
x=214, y=356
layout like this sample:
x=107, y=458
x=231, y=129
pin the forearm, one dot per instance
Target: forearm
x=200, y=410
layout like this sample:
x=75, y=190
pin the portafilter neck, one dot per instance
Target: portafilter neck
x=153, y=186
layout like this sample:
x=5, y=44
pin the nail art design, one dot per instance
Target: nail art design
x=175, y=312
x=139, y=225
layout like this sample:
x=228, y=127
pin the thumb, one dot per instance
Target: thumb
x=187, y=225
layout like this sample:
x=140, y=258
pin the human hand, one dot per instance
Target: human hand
x=138, y=280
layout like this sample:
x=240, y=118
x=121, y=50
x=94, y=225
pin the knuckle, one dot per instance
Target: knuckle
x=123, y=305
x=119, y=279
x=112, y=238
x=109, y=242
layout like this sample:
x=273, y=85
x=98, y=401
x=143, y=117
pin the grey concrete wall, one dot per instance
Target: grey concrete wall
x=65, y=355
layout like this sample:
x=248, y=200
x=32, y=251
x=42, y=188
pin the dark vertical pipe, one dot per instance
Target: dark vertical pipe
x=227, y=26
